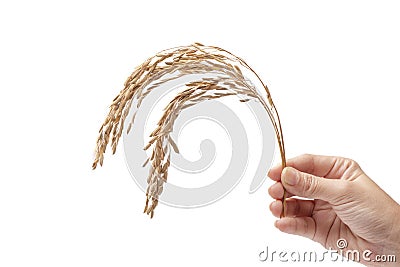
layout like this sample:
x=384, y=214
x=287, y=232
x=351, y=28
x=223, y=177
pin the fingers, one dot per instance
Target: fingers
x=303, y=226
x=294, y=208
x=323, y=166
x=276, y=191
x=311, y=186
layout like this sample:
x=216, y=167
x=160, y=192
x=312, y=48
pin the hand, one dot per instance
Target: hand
x=342, y=202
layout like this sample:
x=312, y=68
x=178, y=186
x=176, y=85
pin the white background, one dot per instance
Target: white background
x=332, y=68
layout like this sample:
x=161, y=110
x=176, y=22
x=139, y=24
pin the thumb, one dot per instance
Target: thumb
x=309, y=186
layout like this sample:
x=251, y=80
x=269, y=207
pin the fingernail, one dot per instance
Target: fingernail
x=289, y=176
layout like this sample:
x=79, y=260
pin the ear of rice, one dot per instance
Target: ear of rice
x=180, y=61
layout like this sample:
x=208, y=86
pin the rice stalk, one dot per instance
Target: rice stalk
x=227, y=80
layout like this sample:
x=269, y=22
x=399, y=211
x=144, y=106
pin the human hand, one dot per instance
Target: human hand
x=342, y=203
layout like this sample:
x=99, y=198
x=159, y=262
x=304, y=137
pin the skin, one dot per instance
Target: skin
x=342, y=203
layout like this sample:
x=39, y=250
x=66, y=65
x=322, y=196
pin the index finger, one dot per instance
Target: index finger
x=322, y=166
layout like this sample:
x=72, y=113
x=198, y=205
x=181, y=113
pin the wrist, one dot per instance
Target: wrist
x=397, y=232
x=395, y=235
